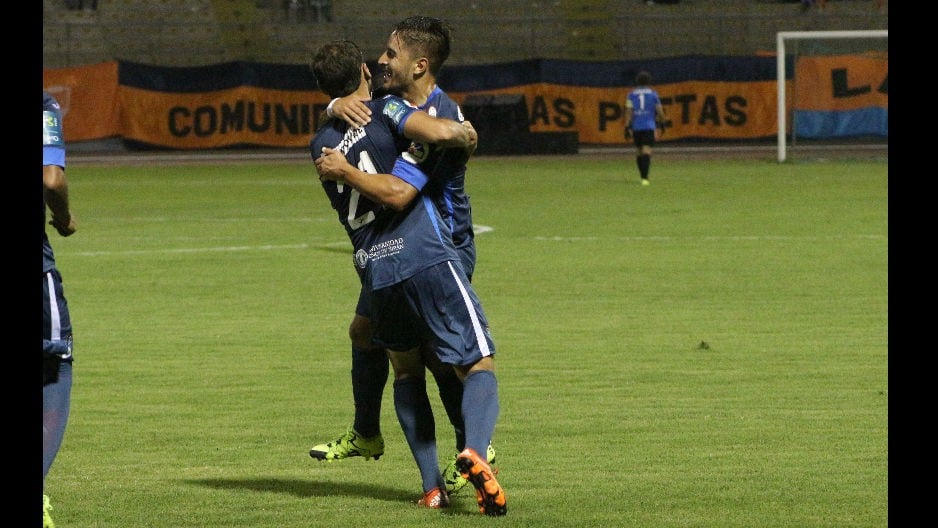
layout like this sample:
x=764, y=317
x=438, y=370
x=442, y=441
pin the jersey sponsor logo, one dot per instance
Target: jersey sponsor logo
x=385, y=248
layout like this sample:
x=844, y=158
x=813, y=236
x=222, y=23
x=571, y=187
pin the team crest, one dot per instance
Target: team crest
x=361, y=258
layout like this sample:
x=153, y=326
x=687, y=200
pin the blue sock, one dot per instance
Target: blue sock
x=451, y=389
x=480, y=409
x=416, y=418
x=56, y=402
x=369, y=376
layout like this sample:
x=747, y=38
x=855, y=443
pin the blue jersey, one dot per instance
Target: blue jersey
x=53, y=153
x=355, y=211
x=389, y=246
x=447, y=185
x=643, y=103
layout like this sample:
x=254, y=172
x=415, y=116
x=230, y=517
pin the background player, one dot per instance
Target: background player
x=56, y=322
x=644, y=121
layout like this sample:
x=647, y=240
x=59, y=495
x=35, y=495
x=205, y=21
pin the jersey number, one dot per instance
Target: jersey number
x=365, y=165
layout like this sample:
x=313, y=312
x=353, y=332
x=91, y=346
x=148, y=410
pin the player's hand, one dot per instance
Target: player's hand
x=64, y=227
x=473, y=137
x=331, y=165
x=352, y=110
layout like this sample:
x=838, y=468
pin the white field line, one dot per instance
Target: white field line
x=710, y=238
x=478, y=230
x=222, y=249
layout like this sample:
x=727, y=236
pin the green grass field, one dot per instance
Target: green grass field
x=709, y=352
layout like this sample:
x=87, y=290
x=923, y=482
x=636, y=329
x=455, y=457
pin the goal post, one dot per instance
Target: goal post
x=782, y=37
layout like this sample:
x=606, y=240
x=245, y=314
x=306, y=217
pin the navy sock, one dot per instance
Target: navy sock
x=56, y=403
x=369, y=376
x=644, y=164
x=480, y=409
x=451, y=389
x=416, y=418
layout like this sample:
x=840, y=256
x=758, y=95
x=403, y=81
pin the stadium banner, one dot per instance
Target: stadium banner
x=841, y=96
x=279, y=105
x=88, y=96
x=257, y=116
x=244, y=115
x=695, y=110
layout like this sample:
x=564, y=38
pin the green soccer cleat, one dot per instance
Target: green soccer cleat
x=645, y=182
x=46, y=508
x=454, y=480
x=350, y=444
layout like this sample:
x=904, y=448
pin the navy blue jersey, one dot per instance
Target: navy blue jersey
x=643, y=102
x=389, y=246
x=53, y=153
x=447, y=171
x=355, y=211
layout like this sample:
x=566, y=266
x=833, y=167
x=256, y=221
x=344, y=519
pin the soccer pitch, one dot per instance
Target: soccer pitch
x=710, y=351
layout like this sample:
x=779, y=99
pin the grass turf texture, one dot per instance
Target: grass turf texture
x=709, y=351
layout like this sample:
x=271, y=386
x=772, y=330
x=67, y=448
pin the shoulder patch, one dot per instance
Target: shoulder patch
x=51, y=129
x=395, y=110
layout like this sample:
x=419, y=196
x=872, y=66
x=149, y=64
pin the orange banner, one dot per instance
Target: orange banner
x=97, y=107
x=242, y=115
x=843, y=82
x=694, y=109
x=248, y=115
x=88, y=96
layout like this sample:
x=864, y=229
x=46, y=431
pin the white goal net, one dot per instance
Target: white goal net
x=832, y=88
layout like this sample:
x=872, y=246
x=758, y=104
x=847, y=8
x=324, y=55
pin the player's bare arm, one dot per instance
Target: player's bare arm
x=351, y=109
x=55, y=190
x=446, y=133
x=385, y=189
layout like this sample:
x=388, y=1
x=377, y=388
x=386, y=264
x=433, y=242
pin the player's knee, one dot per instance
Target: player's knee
x=360, y=332
x=486, y=363
x=407, y=364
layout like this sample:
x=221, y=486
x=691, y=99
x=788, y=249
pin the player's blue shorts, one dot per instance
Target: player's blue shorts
x=56, y=328
x=467, y=257
x=439, y=306
x=56, y=323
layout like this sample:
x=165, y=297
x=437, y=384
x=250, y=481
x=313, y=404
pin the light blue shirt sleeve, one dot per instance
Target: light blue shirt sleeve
x=53, y=143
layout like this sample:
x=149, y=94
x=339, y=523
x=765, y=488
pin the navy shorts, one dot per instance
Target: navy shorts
x=439, y=306
x=644, y=138
x=56, y=328
x=467, y=258
x=56, y=323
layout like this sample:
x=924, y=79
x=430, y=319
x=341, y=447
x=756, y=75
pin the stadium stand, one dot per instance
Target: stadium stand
x=201, y=32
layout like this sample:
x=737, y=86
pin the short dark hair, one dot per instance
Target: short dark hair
x=337, y=66
x=643, y=78
x=430, y=36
